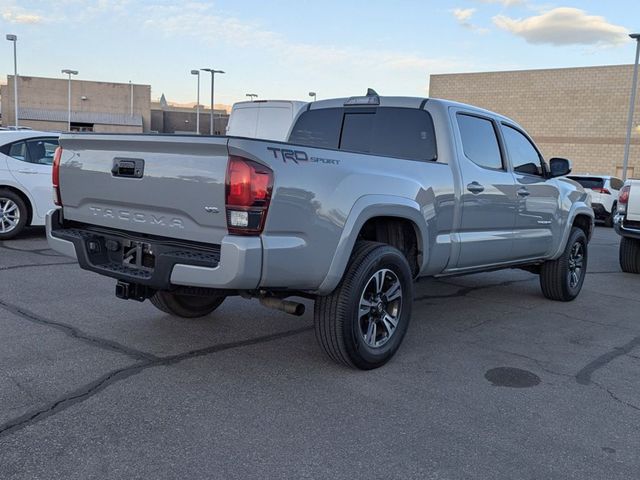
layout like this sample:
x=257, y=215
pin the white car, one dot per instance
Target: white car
x=264, y=119
x=605, y=191
x=26, y=194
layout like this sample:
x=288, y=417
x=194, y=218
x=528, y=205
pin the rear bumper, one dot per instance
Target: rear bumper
x=626, y=229
x=235, y=264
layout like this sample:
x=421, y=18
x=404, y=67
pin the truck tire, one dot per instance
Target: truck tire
x=185, y=306
x=13, y=214
x=361, y=324
x=630, y=255
x=562, y=279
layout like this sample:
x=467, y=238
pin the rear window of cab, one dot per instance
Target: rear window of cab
x=406, y=133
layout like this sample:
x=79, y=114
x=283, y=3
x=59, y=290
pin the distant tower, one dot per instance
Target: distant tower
x=163, y=101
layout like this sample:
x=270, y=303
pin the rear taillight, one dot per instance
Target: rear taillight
x=249, y=186
x=602, y=190
x=623, y=198
x=55, y=177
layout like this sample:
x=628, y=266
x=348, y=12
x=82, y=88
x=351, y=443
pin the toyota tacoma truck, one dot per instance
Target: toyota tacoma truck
x=627, y=225
x=368, y=194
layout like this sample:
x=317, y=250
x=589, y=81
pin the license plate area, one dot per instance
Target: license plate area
x=138, y=255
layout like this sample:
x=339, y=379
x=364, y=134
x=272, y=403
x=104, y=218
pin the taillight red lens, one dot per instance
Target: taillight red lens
x=249, y=186
x=55, y=176
x=623, y=198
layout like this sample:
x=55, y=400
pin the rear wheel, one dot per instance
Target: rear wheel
x=562, y=279
x=185, y=306
x=630, y=255
x=13, y=214
x=361, y=324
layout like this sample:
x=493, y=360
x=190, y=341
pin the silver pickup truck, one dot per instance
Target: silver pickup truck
x=368, y=194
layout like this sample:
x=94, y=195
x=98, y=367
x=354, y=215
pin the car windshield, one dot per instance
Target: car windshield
x=589, y=182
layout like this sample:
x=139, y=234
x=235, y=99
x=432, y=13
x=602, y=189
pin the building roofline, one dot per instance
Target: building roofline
x=624, y=65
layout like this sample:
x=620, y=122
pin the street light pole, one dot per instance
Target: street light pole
x=632, y=103
x=213, y=73
x=14, y=39
x=197, y=73
x=69, y=72
x=313, y=94
x=252, y=96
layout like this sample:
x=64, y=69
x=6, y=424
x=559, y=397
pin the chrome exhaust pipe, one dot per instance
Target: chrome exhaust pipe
x=292, y=308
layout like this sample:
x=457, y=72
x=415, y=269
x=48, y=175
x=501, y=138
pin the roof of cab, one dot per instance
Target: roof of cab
x=406, y=102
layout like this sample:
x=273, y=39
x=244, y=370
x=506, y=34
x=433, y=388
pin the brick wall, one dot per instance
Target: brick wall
x=577, y=113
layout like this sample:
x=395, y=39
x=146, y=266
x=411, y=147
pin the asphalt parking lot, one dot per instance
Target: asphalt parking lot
x=492, y=381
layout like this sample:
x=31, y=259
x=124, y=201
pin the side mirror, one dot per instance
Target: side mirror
x=559, y=167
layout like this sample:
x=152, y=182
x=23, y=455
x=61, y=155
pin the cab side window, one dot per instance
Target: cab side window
x=41, y=151
x=479, y=141
x=524, y=157
x=18, y=151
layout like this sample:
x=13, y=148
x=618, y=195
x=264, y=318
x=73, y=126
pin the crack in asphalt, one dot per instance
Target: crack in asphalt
x=37, y=251
x=33, y=265
x=615, y=397
x=88, y=390
x=76, y=333
x=583, y=377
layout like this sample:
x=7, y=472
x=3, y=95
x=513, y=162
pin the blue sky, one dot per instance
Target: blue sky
x=284, y=49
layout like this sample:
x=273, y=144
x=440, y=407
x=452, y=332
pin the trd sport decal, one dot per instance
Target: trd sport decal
x=297, y=156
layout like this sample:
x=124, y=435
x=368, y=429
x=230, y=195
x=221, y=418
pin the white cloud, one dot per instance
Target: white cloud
x=196, y=18
x=12, y=15
x=463, y=14
x=505, y=3
x=564, y=26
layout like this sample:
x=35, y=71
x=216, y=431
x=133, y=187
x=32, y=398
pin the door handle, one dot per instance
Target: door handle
x=32, y=172
x=475, y=188
x=523, y=192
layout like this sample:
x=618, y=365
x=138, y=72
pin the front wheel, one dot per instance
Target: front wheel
x=562, y=279
x=185, y=306
x=361, y=324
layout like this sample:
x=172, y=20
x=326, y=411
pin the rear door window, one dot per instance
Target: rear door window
x=318, y=128
x=479, y=141
x=42, y=150
x=18, y=151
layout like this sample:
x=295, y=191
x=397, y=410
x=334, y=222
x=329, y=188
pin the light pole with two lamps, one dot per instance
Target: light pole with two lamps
x=213, y=73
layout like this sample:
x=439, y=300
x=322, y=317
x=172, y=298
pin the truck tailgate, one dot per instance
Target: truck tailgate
x=633, y=208
x=170, y=186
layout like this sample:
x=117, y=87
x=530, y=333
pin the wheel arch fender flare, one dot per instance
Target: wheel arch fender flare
x=578, y=208
x=364, y=209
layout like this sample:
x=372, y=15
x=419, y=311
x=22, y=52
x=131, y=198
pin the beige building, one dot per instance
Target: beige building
x=95, y=106
x=576, y=113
